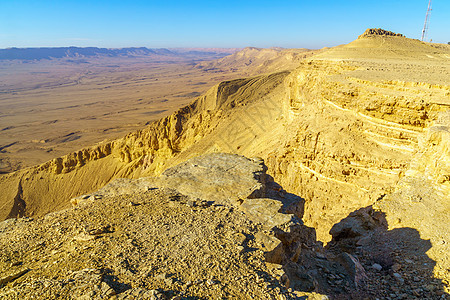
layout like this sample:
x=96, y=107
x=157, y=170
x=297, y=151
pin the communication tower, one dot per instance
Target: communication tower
x=427, y=21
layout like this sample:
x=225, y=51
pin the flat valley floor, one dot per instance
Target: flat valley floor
x=49, y=108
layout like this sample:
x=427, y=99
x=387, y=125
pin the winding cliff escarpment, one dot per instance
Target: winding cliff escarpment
x=48, y=187
x=365, y=124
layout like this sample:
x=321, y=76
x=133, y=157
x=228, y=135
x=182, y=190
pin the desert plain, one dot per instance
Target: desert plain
x=50, y=107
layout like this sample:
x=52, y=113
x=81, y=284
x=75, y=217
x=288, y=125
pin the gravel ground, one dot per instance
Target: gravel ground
x=130, y=245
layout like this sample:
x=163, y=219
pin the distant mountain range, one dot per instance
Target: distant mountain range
x=74, y=52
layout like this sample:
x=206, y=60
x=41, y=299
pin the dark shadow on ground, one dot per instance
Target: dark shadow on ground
x=395, y=261
x=292, y=204
x=364, y=260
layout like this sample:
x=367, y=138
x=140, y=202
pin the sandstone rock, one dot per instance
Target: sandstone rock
x=100, y=230
x=267, y=241
x=122, y=186
x=16, y=263
x=83, y=237
x=154, y=295
x=226, y=178
x=396, y=267
x=239, y=238
x=162, y=276
x=357, y=224
x=298, y=279
x=399, y=278
x=106, y=290
x=291, y=242
x=266, y=212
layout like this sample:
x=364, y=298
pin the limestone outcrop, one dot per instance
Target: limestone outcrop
x=379, y=31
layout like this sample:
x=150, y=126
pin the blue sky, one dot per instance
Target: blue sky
x=156, y=24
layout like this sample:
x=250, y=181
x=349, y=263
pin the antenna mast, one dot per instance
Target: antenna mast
x=427, y=21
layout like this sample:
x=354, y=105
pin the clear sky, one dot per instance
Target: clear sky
x=215, y=23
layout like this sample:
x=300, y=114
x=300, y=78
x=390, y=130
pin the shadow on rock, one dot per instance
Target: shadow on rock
x=291, y=203
x=364, y=260
x=395, y=261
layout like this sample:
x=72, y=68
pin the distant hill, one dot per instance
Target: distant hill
x=77, y=52
x=382, y=44
x=253, y=60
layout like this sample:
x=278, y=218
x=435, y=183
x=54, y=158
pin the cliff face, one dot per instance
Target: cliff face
x=421, y=198
x=48, y=187
x=339, y=132
x=258, y=61
x=360, y=125
x=354, y=138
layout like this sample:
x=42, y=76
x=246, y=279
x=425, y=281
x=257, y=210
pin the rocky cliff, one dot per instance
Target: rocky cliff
x=48, y=187
x=359, y=126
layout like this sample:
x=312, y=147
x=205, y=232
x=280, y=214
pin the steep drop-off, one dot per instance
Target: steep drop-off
x=49, y=186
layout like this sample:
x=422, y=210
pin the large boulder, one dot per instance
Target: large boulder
x=221, y=177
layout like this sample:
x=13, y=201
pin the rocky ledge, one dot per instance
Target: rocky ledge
x=378, y=31
x=216, y=226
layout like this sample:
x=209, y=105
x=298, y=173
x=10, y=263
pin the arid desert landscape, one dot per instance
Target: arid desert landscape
x=254, y=173
x=50, y=107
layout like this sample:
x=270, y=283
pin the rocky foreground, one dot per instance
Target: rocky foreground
x=213, y=227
